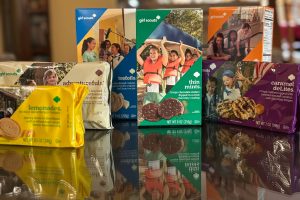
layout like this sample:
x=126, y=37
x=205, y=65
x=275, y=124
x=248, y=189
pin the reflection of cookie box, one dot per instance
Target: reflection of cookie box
x=98, y=150
x=283, y=158
x=226, y=19
x=267, y=145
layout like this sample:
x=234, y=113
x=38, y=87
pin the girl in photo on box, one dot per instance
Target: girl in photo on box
x=154, y=186
x=174, y=183
x=243, y=41
x=152, y=68
x=105, y=50
x=233, y=83
x=127, y=49
x=230, y=44
x=190, y=59
x=50, y=77
x=231, y=89
x=211, y=99
x=216, y=50
x=116, y=55
x=87, y=51
x=171, y=75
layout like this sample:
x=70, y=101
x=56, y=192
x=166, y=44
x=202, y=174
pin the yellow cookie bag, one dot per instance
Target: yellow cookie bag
x=49, y=116
x=44, y=173
x=96, y=75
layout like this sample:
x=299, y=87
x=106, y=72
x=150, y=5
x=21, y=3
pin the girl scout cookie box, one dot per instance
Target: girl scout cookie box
x=169, y=67
x=97, y=76
x=240, y=33
x=42, y=115
x=262, y=95
x=110, y=35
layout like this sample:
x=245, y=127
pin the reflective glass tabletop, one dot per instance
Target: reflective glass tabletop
x=215, y=161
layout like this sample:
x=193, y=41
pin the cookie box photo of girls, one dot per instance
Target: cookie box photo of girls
x=169, y=67
x=240, y=33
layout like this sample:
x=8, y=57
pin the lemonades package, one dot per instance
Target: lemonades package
x=97, y=76
x=255, y=94
x=42, y=115
x=169, y=66
x=110, y=35
x=43, y=173
x=240, y=33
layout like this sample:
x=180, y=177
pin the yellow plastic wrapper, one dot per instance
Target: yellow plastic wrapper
x=42, y=115
x=43, y=173
x=97, y=76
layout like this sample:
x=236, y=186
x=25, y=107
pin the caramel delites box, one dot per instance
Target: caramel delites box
x=256, y=94
x=169, y=66
x=110, y=35
x=240, y=34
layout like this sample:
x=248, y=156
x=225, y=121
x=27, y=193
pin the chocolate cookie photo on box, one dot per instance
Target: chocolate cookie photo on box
x=169, y=67
x=262, y=95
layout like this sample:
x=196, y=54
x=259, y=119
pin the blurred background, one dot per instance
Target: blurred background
x=45, y=30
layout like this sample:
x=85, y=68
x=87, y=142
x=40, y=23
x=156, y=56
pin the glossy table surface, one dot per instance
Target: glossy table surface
x=215, y=161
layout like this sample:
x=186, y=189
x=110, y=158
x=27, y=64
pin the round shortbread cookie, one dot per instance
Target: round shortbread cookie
x=10, y=128
x=259, y=109
x=116, y=102
x=12, y=161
